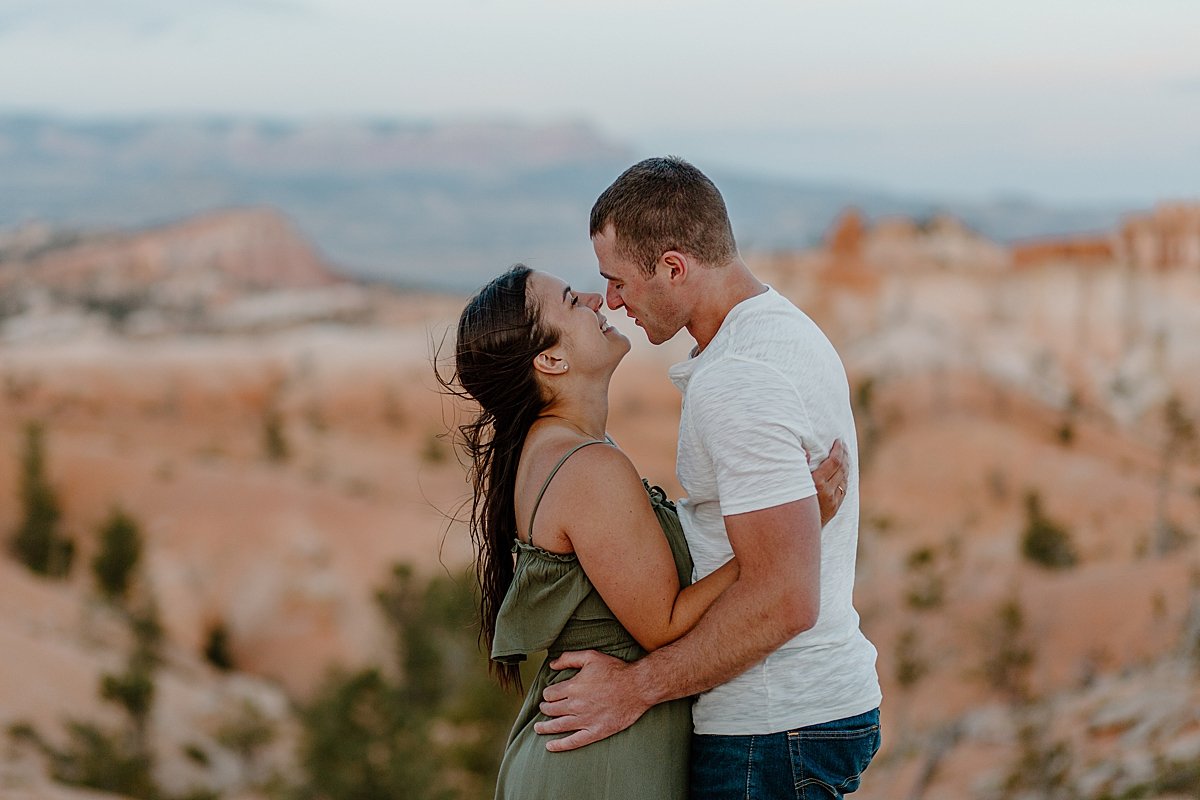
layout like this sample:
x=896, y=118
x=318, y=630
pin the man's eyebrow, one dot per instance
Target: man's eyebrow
x=606, y=276
x=566, y=292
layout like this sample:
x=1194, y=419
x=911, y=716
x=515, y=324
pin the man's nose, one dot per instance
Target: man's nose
x=613, y=298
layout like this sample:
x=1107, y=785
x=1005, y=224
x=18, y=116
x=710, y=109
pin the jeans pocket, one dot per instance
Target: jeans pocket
x=831, y=758
x=722, y=767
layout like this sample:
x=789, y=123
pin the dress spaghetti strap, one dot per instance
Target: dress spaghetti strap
x=553, y=472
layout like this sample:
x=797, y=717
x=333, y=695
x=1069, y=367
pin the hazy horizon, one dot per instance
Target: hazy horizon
x=1060, y=101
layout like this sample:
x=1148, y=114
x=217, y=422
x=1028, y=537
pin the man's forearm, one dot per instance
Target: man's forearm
x=741, y=628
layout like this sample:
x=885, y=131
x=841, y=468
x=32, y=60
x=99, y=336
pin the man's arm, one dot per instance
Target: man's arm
x=775, y=597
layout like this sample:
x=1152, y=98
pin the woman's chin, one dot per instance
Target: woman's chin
x=620, y=355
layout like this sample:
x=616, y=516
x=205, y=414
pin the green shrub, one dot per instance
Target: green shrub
x=147, y=633
x=368, y=735
x=133, y=690
x=864, y=405
x=1041, y=768
x=910, y=667
x=117, y=308
x=1008, y=655
x=275, y=443
x=926, y=587
x=434, y=451
x=1169, y=538
x=216, y=647
x=120, y=551
x=361, y=740
x=1044, y=541
x=1066, y=433
x=98, y=759
x=195, y=753
x=37, y=543
x=247, y=732
x=118, y=761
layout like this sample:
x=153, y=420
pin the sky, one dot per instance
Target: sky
x=1063, y=100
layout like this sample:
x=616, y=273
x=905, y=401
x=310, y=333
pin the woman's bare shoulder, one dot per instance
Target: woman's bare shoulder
x=592, y=472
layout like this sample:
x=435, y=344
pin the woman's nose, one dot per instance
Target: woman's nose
x=593, y=300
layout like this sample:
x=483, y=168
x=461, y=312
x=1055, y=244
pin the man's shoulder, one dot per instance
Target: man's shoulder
x=783, y=337
x=773, y=321
x=771, y=346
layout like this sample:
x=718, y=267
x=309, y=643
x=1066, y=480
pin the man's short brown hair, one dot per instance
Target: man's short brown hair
x=663, y=204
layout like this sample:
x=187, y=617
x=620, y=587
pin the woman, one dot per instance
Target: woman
x=601, y=562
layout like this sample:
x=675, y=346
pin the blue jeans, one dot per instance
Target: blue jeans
x=813, y=763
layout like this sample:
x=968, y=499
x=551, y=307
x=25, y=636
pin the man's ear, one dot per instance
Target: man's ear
x=550, y=362
x=675, y=264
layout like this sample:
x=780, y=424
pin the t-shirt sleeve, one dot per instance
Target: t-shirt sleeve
x=753, y=425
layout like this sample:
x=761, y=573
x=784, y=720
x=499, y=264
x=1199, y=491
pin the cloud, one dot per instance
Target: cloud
x=138, y=17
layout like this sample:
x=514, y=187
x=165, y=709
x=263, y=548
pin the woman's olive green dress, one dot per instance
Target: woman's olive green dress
x=552, y=606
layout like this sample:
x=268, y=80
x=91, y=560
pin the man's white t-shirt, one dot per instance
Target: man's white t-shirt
x=766, y=398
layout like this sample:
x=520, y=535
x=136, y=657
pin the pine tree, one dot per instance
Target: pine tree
x=37, y=543
x=120, y=551
x=1179, y=441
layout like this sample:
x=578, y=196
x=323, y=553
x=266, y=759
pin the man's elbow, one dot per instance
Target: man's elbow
x=800, y=612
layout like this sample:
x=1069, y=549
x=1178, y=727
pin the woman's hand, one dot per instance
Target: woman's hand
x=830, y=478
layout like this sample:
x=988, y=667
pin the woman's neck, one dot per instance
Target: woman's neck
x=588, y=415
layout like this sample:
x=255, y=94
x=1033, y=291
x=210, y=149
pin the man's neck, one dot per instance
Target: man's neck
x=732, y=284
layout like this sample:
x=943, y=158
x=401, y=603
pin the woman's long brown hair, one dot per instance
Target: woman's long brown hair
x=499, y=335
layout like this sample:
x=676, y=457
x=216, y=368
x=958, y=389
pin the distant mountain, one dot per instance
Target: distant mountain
x=210, y=256
x=433, y=204
x=233, y=270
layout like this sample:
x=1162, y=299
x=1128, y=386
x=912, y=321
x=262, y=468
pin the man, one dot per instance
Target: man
x=789, y=696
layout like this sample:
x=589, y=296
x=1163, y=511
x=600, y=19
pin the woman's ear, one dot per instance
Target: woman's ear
x=549, y=362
